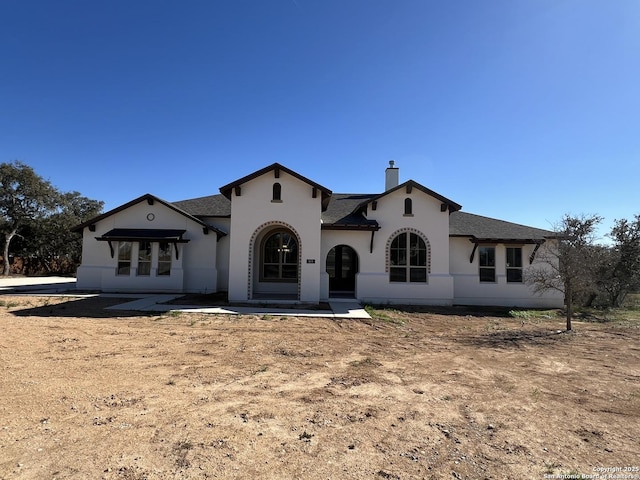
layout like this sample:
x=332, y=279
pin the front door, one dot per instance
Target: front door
x=342, y=266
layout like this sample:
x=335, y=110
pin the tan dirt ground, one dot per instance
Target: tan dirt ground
x=91, y=394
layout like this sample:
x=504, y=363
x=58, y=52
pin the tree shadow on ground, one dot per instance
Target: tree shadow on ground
x=515, y=339
x=92, y=307
x=456, y=310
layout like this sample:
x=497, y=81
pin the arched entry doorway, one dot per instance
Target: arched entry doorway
x=276, y=272
x=342, y=266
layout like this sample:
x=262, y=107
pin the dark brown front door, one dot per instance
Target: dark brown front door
x=342, y=266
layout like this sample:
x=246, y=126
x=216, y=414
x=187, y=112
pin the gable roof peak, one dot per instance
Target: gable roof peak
x=151, y=199
x=277, y=167
x=450, y=204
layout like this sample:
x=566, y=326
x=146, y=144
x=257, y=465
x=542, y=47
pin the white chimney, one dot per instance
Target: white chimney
x=391, y=176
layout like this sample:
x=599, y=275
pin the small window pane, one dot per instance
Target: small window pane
x=398, y=274
x=164, y=268
x=144, y=251
x=514, y=257
x=289, y=249
x=271, y=271
x=487, y=256
x=418, y=274
x=514, y=275
x=418, y=250
x=290, y=271
x=272, y=249
x=164, y=259
x=124, y=268
x=144, y=269
x=487, y=274
x=124, y=251
x=398, y=251
x=331, y=263
x=144, y=258
x=164, y=252
x=124, y=258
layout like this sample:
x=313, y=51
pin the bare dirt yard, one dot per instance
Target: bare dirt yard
x=92, y=394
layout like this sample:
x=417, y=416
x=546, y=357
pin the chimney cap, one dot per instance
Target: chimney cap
x=392, y=163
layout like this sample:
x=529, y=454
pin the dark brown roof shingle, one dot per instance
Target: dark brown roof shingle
x=462, y=224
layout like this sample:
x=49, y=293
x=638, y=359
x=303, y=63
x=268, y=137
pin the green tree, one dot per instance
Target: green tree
x=567, y=262
x=56, y=248
x=24, y=197
x=619, y=264
x=40, y=217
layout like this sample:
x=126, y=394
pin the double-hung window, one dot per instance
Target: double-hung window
x=487, y=261
x=164, y=259
x=124, y=258
x=514, y=264
x=144, y=259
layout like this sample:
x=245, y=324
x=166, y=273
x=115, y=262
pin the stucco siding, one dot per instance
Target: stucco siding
x=194, y=269
x=254, y=211
x=263, y=221
x=427, y=220
x=222, y=251
x=468, y=290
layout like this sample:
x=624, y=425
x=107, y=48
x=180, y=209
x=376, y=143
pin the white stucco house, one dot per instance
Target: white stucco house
x=277, y=235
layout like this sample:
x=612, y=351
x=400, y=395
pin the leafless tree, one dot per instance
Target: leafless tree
x=566, y=262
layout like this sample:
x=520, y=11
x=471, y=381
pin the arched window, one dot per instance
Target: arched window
x=408, y=206
x=279, y=257
x=277, y=193
x=408, y=258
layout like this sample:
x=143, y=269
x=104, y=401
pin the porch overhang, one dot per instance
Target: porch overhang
x=142, y=235
x=506, y=241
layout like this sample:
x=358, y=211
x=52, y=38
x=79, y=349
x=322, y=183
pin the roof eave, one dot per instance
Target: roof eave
x=227, y=189
x=152, y=198
x=451, y=205
x=337, y=226
x=513, y=241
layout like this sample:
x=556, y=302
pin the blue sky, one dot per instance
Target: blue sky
x=516, y=109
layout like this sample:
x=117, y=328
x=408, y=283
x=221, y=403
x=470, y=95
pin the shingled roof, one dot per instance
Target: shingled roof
x=150, y=199
x=345, y=212
x=209, y=206
x=462, y=224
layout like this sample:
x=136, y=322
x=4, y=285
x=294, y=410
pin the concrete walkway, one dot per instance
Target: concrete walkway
x=157, y=303
x=36, y=284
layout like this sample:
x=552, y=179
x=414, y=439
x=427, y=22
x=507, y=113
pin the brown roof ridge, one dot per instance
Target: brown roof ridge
x=452, y=206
